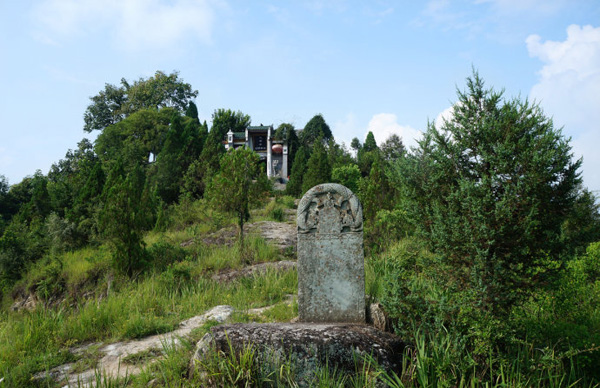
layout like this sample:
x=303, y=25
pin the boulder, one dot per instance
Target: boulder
x=342, y=347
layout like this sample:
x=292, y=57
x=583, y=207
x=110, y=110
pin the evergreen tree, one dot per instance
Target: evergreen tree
x=294, y=186
x=370, y=143
x=392, y=148
x=126, y=213
x=192, y=112
x=238, y=185
x=314, y=129
x=213, y=150
x=318, y=169
x=169, y=168
x=489, y=190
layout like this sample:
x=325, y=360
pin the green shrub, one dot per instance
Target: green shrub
x=162, y=254
x=178, y=276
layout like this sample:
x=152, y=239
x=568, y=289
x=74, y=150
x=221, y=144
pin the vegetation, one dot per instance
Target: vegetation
x=238, y=185
x=482, y=244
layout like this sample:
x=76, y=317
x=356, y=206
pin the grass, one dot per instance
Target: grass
x=275, y=209
x=83, y=301
x=38, y=340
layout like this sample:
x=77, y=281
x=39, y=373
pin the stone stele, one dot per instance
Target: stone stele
x=331, y=273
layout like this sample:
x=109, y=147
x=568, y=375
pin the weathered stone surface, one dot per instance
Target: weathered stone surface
x=307, y=346
x=111, y=355
x=331, y=275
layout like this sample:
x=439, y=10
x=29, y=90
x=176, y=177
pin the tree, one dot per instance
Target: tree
x=225, y=120
x=126, y=213
x=294, y=186
x=136, y=139
x=489, y=190
x=318, y=169
x=392, y=148
x=213, y=150
x=8, y=205
x=356, y=145
x=315, y=128
x=192, y=112
x=105, y=108
x=347, y=175
x=582, y=226
x=114, y=104
x=238, y=185
x=169, y=168
x=370, y=143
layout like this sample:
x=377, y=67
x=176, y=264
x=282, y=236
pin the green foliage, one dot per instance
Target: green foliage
x=375, y=193
x=114, y=104
x=338, y=155
x=62, y=233
x=192, y=111
x=238, y=185
x=12, y=253
x=318, y=169
x=210, y=158
x=294, y=186
x=225, y=120
x=347, y=175
x=582, y=224
x=164, y=254
x=315, y=128
x=489, y=190
x=355, y=144
x=388, y=227
x=276, y=208
x=168, y=170
x=392, y=148
x=370, y=144
x=127, y=212
x=136, y=139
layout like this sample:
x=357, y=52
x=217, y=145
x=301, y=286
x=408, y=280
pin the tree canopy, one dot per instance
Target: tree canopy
x=315, y=128
x=238, y=185
x=490, y=189
x=114, y=103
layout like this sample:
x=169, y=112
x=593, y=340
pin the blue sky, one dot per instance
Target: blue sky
x=384, y=66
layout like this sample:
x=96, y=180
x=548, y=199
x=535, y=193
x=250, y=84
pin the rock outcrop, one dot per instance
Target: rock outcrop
x=307, y=346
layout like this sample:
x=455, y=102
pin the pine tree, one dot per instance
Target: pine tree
x=294, y=186
x=126, y=213
x=318, y=169
x=489, y=190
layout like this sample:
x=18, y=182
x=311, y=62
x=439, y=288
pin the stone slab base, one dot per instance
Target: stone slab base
x=307, y=346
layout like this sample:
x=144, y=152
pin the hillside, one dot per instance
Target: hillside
x=482, y=246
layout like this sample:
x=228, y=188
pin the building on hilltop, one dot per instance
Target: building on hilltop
x=273, y=152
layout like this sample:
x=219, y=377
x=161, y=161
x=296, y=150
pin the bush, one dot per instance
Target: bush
x=177, y=276
x=162, y=254
x=490, y=189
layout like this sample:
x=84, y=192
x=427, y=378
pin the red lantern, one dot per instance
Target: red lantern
x=277, y=148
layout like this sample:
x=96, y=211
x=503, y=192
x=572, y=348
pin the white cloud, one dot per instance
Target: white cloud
x=569, y=90
x=446, y=114
x=385, y=124
x=132, y=23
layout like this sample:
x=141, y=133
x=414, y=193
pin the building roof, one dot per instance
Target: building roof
x=259, y=128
